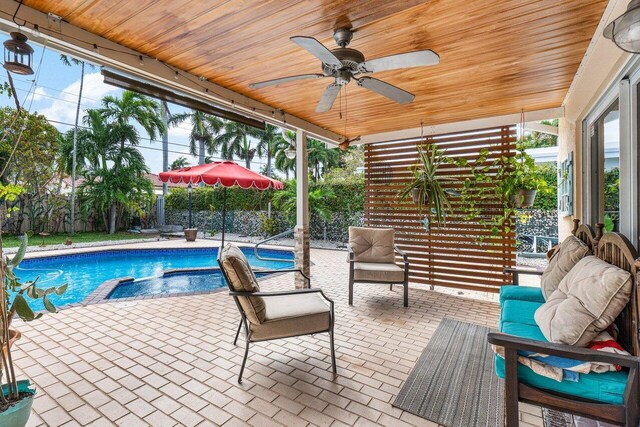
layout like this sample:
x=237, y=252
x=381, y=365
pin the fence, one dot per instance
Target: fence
x=461, y=254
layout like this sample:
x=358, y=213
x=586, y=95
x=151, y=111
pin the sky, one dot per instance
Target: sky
x=53, y=92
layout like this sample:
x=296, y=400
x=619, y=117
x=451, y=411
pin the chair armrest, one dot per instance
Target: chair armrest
x=351, y=255
x=568, y=351
x=517, y=271
x=282, y=293
x=400, y=252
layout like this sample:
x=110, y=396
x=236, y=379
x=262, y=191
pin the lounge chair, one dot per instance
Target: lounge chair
x=372, y=259
x=273, y=315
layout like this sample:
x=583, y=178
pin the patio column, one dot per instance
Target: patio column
x=301, y=236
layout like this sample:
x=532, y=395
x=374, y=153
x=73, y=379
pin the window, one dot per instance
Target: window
x=605, y=168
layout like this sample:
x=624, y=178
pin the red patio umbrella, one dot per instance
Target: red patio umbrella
x=227, y=174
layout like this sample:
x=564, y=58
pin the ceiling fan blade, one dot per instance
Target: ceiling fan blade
x=385, y=89
x=285, y=80
x=328, y=97
x=419, y=58
x=317, y=49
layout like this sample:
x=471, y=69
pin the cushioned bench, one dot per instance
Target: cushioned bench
x=518, y=304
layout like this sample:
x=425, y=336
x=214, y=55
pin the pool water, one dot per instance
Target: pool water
x=85, y=272
x=197, y=281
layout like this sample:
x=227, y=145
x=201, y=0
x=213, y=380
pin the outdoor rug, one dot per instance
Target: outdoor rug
x=453, y=382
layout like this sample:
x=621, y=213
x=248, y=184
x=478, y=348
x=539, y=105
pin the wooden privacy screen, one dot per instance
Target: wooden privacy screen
x=461, y=253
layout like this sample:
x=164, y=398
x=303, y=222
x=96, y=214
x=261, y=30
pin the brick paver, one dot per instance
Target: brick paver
x=171, y=361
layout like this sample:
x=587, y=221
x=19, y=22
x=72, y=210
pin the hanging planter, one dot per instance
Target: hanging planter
x=524, y=198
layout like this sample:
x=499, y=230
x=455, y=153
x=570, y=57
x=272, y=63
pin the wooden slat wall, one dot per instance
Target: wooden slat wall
x=449, y=255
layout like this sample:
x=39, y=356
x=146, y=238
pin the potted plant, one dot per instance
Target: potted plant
x=518, y=182
x=426, y=188
x=16, y=396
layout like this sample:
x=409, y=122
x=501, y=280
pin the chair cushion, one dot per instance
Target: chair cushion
x=372, y=244
x=568, y=254
x=587, y=301
x=292, y=315
x=377, y=272
x=523, y=293
x=606, y=387
x=242, y=279
x=517, y=311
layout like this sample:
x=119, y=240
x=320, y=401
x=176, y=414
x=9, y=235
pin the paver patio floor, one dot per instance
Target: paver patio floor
x=171, y=361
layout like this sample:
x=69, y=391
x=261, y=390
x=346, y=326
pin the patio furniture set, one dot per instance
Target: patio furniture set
x=557, y=345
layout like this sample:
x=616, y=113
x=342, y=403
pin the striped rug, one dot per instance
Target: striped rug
x=453, y=382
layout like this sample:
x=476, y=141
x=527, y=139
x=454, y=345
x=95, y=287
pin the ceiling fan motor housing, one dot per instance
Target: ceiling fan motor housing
x=350, y=59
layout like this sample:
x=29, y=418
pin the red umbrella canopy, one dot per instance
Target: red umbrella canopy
x=227, y=174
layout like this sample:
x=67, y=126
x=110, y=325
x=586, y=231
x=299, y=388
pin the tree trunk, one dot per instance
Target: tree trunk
x=201, y=152
x=268, y=163
x=74, y=161
x=113, y=213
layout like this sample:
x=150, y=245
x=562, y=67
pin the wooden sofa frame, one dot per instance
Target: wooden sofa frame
x=615, y=249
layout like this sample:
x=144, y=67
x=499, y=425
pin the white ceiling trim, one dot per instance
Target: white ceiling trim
x=79, y=43
x=509, y=119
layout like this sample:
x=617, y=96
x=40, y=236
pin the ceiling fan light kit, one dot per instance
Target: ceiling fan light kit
x=345, y=64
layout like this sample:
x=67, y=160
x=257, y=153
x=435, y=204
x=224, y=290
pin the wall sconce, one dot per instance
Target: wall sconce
x=625, y=29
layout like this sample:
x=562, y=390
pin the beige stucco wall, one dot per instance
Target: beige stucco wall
x=602, y=63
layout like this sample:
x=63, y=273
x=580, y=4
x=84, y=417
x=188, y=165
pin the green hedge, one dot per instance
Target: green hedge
x=548, y=200
x=349, y=197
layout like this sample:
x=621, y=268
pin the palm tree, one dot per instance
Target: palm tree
x=204, y=129
x=282, y=162
x=321, y=158
x=234, y=141
x=131, y=108
x=68, y=62
x=270, y=139
x=179, y=163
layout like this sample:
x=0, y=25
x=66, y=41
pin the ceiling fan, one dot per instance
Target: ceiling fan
x=344, y=64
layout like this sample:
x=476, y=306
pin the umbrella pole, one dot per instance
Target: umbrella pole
x=190, y=222
x=224, y=213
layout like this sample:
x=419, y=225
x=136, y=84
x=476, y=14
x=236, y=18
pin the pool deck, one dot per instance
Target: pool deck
x=171, y=361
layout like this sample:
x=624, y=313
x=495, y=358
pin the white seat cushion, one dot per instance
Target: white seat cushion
x=377, y=272
x=292, y=315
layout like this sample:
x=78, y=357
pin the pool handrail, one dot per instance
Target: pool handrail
x=277, y=236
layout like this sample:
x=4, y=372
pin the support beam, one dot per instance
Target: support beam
x=489, y=122
x=301, y=236
x=69, y=39
x=542, y=128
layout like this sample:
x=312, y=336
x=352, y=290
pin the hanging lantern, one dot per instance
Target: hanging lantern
x=18, y=55
x=625, y=30
x=290, y=153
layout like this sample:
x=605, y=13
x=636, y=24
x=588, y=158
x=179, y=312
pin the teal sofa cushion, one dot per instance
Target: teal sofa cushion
x=523, y=293
x=519, y=311
x=606, y=388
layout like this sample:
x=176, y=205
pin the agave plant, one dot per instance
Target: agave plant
x=427, y=186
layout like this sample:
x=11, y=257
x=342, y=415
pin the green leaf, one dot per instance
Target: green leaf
x=49, y=305
x=62, y=289
x=19, y=256
x=22, y=308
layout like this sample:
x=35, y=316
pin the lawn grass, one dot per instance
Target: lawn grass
x=10, y=241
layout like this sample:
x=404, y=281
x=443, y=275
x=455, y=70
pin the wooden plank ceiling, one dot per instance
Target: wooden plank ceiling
x=497, y=57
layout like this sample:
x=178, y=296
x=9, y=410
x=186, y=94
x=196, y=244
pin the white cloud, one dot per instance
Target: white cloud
x=63, y=109
x=39, y=94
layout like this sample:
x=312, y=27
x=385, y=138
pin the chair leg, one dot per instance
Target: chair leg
x=238, y=332
x=390, y=286
x=406, y=294
x=350, y=292
x=244, y=362
x=333, y=351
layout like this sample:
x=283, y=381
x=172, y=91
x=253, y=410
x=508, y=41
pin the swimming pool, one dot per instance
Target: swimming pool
x=174, y=283
x=85, y=272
